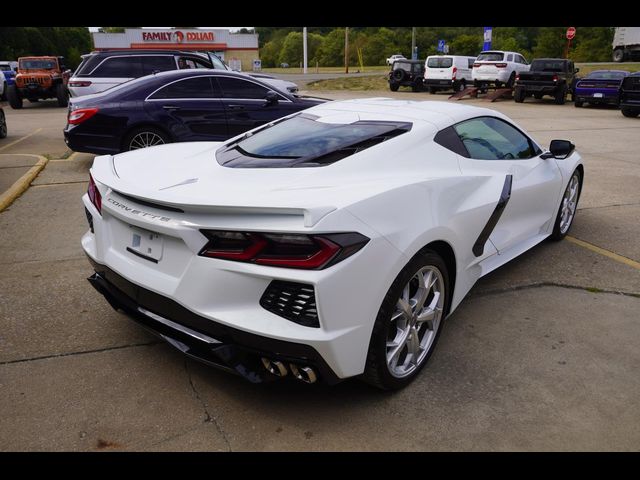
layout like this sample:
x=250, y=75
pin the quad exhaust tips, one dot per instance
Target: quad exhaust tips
x=305, y=374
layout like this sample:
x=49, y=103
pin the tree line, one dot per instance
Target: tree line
x=69, y=42
x=325, y=46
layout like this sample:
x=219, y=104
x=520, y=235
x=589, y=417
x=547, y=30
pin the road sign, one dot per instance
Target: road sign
x=487, y=38
x=571, y=32
x=441, y=44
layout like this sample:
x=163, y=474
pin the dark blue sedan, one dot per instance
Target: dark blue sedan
x=175, y=106
x=599, y=86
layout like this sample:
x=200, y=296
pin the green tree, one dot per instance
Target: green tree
x=550, y=42
x=466, y=44
x=331, y=52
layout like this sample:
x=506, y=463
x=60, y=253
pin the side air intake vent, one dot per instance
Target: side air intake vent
x=293, y=301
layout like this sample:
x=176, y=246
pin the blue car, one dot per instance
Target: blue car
x=599, y=86
x=8, y=71
x=175, y=106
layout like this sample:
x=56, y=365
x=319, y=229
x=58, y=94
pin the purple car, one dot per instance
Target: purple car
x=599, y=86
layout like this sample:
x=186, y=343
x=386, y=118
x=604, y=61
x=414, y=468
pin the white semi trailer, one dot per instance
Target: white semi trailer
x=626, y=43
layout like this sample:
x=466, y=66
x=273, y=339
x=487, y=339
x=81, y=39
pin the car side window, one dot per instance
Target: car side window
x=471, y=62
x=239, y=88
x=199, y=87
x=152, y=64
x=510, y=58
x=120, y=67
x=489, y=138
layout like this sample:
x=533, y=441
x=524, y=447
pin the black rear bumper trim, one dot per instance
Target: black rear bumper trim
x=227, y=348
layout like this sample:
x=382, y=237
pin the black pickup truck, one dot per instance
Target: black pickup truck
x=546, y=76
x=630, y=95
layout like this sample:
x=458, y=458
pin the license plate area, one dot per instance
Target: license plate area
x=598, y=95
x=145, y=244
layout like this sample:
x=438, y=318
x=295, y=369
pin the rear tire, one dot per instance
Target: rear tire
x=414, y=331
x=3, y=125
x=433, y=90
x=519, y=94
x=144, y=137
x=560, y=96
x=630, y=112
x=512, y=80
x=62, y=95
x=393, y=86
x=15, y=100
x=416, y=86
x=618, y=55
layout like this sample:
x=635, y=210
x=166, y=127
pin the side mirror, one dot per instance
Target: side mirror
x=559, y=149
x=271, y=98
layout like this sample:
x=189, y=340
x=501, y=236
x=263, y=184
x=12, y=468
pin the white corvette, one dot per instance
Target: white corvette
x=328, y=244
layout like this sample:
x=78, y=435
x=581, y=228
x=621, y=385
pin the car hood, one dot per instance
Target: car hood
x=188, y=175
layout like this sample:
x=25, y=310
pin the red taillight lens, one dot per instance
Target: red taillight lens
x=80, y=115
x=455, y=71
x=476, y=65
x=555, y=78
x=94, y=195
x=78, y=83
x=311, y=252
x=517, y=78
x=501, y=65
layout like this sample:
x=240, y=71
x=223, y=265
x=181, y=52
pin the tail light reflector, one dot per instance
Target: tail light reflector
x=80, y=115
x=555, y=78
x=310, y=252
x=517, y=77
x=501, y=65
x=94, y=195
x=455, y=71
x=476, y=65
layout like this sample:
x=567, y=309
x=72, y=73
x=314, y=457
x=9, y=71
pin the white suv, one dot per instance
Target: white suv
x=498, y=68
x=444, y=72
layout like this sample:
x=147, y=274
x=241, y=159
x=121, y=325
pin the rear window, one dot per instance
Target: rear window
x=440, y=62
x=159, y=63
x=607, y=75
x=548, y=66
x=490, y=57
x=120, y=67
x=88, y=63
x=302, y=141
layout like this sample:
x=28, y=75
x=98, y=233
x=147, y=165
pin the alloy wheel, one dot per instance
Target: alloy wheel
x=569, y=203
x=144, y=140
x=415, y=321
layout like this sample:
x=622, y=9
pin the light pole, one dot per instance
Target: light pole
x=304, y=49
x=346, y=50
x=413, y=43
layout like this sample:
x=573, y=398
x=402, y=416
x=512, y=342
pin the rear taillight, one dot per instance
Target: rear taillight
x=517, y=77
x=455, y=71
x=80, y=115
x=289, y=250
x=476, y=65
x=555, y=78
x=94, y=195
x=501, y=65
x=78, y=83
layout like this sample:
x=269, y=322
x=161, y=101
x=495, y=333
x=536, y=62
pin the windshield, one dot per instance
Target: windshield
x=37, y=64
x=5, y=66
x=607, y=75
x=217, y=63
x=440, y=62
x=548, y=66
x=490, y=57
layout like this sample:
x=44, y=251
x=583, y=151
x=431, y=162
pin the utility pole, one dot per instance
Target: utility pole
x=304, y=49
x=413, y=43
x=346, y=50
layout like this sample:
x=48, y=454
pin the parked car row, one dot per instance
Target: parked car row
x=555, y=77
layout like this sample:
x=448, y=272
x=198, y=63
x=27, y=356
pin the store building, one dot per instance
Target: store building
x=236, y=49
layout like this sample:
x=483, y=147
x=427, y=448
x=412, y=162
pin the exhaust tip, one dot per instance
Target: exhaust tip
x=274, y=366
x=304, y=374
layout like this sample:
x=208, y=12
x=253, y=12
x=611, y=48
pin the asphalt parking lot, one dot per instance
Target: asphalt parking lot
x=542, y=355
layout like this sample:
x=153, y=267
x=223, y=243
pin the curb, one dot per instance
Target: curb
x=20, y=185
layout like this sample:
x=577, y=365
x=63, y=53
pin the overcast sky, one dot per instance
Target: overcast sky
x=233, y=29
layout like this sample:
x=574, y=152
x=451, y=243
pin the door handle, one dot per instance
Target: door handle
x=170, y=107
x=236, y=107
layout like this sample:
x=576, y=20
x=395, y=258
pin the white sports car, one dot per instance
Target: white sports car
x=326, y=245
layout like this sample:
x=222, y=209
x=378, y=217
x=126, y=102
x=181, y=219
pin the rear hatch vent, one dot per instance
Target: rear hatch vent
x=293, y=301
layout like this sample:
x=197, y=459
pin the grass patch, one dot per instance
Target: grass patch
x=312, y=69
x=353, y=83
x=585, y=69
x=594, y=290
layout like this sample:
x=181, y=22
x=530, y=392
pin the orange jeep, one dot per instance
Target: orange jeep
x=40, y=78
